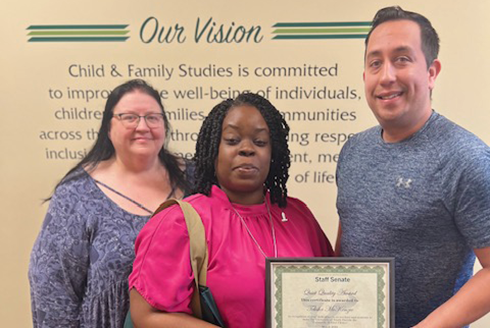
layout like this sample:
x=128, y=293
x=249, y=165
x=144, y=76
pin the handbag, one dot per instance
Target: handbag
x=202, y=304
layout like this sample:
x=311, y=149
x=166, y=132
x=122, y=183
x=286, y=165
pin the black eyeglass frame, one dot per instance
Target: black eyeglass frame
x=120, y=117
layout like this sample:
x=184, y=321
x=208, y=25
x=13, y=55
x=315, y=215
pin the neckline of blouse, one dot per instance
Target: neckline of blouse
x=244, y=210
x=114, y=204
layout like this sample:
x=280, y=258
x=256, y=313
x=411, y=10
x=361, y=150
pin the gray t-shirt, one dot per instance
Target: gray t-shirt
x=424, y=201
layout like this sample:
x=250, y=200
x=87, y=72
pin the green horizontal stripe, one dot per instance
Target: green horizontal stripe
x=326, y=24
x=77, y=27
x=311, y=37
x=80, y=39
x=78, y=33
x=320, y=30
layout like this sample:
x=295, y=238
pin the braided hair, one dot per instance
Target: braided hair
x=209, y=138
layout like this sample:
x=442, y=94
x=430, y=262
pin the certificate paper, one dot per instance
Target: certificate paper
x=330, y=293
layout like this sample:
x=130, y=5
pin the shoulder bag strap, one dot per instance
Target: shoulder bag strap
x=198, y=248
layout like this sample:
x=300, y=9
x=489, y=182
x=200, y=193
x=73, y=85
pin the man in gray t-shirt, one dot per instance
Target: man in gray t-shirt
x=417, y=187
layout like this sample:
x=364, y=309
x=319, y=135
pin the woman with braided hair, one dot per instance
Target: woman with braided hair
x=242, y=161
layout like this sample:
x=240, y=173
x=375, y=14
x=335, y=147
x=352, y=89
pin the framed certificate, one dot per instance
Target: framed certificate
x=330, y=292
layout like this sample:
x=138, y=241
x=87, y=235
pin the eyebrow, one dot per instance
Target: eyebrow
x=230, y=125
x=136, y=114
x=397, y=50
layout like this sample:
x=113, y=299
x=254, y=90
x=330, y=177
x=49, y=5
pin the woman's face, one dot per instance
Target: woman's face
x=140, y=140
x=244, y=155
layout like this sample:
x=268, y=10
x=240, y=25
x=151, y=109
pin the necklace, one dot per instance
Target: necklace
x=252, y=236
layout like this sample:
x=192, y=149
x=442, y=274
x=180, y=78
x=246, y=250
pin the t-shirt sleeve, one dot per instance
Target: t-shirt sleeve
x=343, y=153
x=468, y=196
x=162, y=272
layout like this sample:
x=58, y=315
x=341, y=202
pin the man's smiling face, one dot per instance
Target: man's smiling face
x=397, y=80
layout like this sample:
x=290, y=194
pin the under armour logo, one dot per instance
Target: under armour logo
x=407, y=183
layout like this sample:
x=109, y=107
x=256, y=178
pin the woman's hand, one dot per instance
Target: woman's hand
x=144, y=315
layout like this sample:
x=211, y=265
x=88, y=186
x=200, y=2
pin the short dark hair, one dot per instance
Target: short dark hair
x=103, y=148
x=209, y=138
x=428, y=35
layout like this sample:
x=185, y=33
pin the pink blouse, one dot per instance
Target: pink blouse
x=162, y=272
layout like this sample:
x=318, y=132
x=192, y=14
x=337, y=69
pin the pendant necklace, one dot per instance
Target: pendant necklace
x=252, y=236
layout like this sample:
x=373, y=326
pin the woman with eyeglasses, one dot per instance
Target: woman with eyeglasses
x=83, y=255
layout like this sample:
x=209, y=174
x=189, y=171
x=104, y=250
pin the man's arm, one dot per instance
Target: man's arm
x=469, y=304
x=337, y=242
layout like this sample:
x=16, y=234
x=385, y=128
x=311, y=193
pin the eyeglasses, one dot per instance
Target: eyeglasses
x=153, y=120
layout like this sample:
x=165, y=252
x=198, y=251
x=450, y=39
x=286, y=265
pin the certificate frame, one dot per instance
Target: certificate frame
x=280, y=272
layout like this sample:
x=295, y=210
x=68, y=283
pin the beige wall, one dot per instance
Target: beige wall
x=31, y=72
